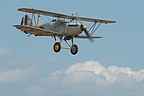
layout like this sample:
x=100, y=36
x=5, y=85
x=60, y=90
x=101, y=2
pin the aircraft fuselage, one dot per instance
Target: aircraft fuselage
x=66, y=28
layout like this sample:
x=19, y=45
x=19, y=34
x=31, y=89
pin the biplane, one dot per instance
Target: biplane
x=63, y=27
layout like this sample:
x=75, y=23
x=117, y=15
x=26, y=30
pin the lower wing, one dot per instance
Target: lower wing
x=86, y=37
x=36, y=31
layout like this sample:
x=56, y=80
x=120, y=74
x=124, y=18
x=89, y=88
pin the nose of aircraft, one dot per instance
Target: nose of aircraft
x=84, y=27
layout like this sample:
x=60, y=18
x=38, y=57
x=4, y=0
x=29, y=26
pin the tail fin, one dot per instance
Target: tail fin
x=26, y=20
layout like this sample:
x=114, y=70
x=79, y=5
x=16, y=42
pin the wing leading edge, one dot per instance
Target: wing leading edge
x=53, y=14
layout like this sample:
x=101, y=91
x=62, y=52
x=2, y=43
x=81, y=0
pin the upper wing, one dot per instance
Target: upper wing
x=36, y=31
x=53, y=14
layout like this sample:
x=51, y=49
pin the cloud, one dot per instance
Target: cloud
x=16, y=75
x=90, y=78
x=96, y=73
x=5, y=51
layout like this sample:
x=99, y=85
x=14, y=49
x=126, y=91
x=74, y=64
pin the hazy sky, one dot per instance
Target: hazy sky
x=111, y=66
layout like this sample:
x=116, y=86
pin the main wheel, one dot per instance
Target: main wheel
x=74, y=49
x=57, y=47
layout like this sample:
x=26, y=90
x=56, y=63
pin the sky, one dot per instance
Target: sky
x=111, y=66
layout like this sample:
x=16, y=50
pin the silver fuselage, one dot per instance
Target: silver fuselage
x=66, y=28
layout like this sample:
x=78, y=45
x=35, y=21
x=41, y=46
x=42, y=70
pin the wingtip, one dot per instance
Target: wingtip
x=22, y=9
x=14, y=25
x=114, y=21
x=19, y=9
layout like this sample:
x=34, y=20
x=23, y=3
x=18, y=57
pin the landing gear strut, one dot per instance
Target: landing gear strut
x=73, y=49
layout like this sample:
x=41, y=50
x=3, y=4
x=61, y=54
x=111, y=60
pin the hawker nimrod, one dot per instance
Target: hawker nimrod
x=63, y=27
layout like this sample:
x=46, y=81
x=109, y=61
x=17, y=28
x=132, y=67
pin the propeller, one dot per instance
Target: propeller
x=84, y=28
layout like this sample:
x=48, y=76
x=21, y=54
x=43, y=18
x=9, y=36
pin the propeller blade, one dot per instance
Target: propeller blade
x=84, y=28
x=87, y=33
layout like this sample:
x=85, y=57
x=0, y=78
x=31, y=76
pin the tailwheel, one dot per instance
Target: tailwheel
x=57, y=47
x=74, y=49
